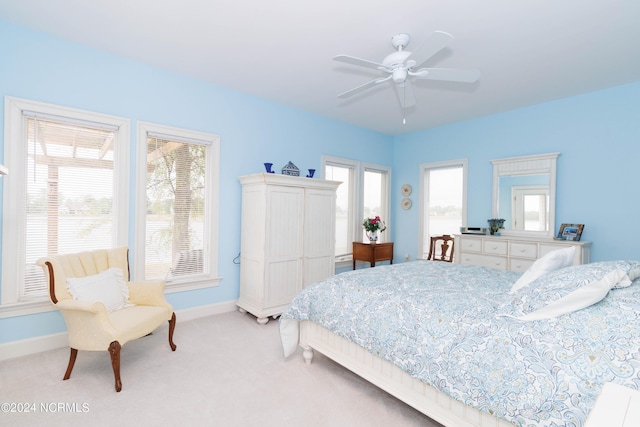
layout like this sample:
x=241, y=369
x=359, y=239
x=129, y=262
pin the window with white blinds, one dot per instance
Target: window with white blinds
x=69, y=190
x=181, y=195
x=62, y=192
x=346, y=209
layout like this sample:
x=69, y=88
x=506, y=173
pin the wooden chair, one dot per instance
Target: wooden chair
x=90, y=326
x=445, y=243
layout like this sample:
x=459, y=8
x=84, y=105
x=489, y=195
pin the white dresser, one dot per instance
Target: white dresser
x=288, y=239
x=511, y=252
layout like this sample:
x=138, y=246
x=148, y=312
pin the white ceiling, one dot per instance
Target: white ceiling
x=529, y=51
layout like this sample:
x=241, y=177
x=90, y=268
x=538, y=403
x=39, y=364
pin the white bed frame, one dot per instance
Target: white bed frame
x=393, y=380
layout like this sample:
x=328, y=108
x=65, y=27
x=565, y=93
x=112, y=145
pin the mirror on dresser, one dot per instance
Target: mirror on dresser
x=524, y=194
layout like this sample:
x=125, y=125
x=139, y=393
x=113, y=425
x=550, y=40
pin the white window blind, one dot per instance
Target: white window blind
x=345, y=209
x=69, y=192
x=176, y=214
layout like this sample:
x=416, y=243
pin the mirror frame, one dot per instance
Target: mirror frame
x=527, y=165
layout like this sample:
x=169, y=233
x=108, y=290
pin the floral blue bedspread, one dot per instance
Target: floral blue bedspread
x=442, y=323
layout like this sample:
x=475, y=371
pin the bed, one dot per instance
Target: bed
x=467, y=347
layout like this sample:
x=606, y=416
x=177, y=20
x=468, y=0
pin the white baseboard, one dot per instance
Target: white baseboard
x=205, y=310
x=28, y=346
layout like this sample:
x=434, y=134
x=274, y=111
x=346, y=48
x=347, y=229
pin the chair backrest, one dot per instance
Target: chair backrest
x=445, y=243
x=58, y=268
x=188, y=262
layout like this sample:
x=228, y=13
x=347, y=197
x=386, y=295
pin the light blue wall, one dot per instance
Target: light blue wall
x=38, y=67
x=598, y=136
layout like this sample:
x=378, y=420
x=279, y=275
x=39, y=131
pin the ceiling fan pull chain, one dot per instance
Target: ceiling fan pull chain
x=404, y=105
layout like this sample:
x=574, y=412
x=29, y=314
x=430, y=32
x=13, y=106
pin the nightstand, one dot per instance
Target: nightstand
x=372, y=252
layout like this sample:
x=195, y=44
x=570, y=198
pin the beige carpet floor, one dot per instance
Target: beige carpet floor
x=227, y=371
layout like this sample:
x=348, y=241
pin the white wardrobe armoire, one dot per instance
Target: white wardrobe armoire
x=287, y=242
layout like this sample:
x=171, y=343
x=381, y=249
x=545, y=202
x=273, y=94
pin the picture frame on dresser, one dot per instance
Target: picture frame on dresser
x=572, y=232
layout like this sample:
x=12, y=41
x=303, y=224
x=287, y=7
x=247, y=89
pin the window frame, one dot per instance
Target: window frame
x=385, y=209
x=212, y=182
x=518, y=194
x=14, y=194
x=423, y=187
x=356, y=199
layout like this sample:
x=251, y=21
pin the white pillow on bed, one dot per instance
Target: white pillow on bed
x=558, y=290
x=107, y=287
x=582, y=297
x=552, y=261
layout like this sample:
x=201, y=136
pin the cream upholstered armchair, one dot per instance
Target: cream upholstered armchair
x=106, y=310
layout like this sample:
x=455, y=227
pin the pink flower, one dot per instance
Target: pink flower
x=374, y=224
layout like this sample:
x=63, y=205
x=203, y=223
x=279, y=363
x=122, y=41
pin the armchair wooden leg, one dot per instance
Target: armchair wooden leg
x=114, y=351
x=72, y=361
x=172, y=326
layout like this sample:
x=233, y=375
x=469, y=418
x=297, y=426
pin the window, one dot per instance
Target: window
x=444, y=199
x=530, y=207
x=375, y=197
x=364, y=192
x=345, y=203
x=177, y=206
x=67, y=192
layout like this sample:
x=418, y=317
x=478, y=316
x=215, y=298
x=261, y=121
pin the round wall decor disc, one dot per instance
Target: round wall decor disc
x=405, y=203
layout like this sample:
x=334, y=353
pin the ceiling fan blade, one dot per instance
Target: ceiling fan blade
x=432, y=45
x=447, y=74
x=363, y=87
x=357, y=61
x=405, y=94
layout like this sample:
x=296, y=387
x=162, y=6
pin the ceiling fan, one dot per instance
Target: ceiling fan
x=402, y=65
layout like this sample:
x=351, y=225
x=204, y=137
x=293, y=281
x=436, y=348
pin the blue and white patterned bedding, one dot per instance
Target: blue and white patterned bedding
x=443, y=323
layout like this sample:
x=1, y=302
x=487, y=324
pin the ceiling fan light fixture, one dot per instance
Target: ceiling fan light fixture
x=395, y=59
x=399, y=75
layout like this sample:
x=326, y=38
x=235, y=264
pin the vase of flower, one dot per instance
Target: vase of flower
x=373, y=227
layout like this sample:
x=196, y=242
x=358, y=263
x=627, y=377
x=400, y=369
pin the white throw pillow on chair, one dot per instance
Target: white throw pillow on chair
x=107, y=287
